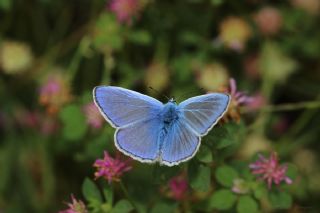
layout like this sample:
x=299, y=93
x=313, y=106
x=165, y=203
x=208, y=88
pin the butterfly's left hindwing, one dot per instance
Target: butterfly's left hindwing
x=140, y=141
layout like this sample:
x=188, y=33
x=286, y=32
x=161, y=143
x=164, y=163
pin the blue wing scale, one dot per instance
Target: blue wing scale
x=202, y=112
x=136, y=118
x=140, y=141
x=122, y=107
x=179, y=145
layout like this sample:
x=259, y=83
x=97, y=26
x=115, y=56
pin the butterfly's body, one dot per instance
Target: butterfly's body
x=150, y=131
x=168, y=116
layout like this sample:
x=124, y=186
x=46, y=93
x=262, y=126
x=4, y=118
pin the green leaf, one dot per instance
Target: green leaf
x=189, y=37
x=222, y=200
x=225, y=175
x=200, y=179
x=122, y=206
x=260, y=191
x=107, y=33
x=163, y=207
x=247, y=204
x=216, y=2
x=74, y=122
x=90, y=191
x=292, y=171
x=204, y=155
x=108, y=194
x=225, y=142
x=182, y=66
x=142, y=207
x=280, y=200
x=225, y=135
x=105, y=207
x=5, y=4
x=140, y=37
x=219, y=133
x=246, y=173
x=275, y=65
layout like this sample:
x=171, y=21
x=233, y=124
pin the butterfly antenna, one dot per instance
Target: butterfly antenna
x=159, y=93
x=188, y=94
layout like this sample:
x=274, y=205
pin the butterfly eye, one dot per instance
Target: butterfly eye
x=172, y=100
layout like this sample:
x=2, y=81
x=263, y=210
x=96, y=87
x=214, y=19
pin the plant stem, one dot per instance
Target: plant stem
x=287, y=107
x=125, y=191
x=76, y=60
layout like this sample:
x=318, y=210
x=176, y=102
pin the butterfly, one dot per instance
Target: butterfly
x=149, y=131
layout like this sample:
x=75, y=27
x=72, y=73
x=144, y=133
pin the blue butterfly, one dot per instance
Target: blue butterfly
x=150, y=131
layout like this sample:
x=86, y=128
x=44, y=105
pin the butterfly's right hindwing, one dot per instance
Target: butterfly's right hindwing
x=180, y=144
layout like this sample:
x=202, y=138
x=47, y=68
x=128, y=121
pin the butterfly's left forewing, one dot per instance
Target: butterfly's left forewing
x=201, y=113
x=122, y=107
x=136, y=118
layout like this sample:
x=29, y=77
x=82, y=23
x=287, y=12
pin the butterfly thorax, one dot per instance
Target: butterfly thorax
x=169, y=113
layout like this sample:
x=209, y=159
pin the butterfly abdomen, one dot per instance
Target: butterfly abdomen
x=168, y=116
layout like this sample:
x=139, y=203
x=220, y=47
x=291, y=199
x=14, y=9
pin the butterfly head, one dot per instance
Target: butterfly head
x=172, y=100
